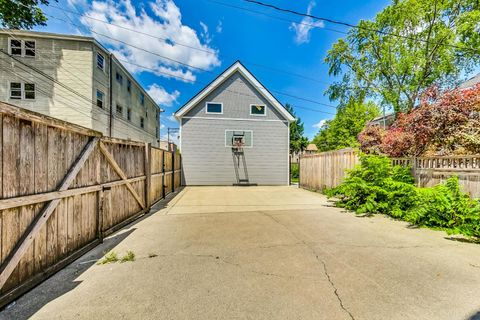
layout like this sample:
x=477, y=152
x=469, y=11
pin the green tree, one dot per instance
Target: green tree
x=342, y=131
x=406, y=48
x=297, y=141
x=22, y=14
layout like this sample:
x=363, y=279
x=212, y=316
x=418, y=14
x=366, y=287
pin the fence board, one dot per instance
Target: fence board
x=36, y=153
x=328, y=169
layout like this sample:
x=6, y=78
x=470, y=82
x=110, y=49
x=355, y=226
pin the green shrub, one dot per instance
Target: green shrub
x=294, y=170
x=375, y=186
x=446, y=206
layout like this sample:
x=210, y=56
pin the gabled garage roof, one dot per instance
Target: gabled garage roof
x=237, y=66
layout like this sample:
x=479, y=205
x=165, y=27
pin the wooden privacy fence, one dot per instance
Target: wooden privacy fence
x=430, y=171
x=327, y=169
x=64, y=188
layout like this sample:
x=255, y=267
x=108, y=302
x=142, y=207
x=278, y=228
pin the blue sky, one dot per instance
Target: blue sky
x=221, y=35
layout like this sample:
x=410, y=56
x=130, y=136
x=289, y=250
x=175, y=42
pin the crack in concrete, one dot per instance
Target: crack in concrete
x=322, y=262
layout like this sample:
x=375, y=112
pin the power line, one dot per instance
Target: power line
x=274, y=7
x=194, y=67
x=196, y=48
x=72, y=91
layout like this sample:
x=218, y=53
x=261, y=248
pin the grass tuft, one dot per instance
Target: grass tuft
x=129, y=256
x=110, y=257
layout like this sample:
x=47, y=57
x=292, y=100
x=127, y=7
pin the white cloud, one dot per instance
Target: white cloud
x=302, y=29
x=205, y=34
x=320, y=124
x=172, y=118
x=73, y=3
x=161, y=96
x=162, y=126
x=165, y=23
x=219, y=27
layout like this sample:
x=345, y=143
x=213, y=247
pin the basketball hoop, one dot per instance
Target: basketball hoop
x=238, y=144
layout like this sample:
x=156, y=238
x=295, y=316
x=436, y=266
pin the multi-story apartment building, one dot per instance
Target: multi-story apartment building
x=74, y=78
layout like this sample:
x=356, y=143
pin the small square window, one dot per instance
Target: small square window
x=15, y=90
x=15, y=47
x=29, y=48
x=257, y=110
x=100, y=96
x=119, y=110
x=129, y=114
x=214, y=107
x=142, y=122
x=100, y=62
x=30, y=91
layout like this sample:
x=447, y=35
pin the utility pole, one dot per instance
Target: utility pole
x=169, y=131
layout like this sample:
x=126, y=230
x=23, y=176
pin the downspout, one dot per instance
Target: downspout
x=110, y=94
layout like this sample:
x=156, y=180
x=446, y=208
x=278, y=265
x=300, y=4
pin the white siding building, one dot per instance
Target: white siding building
x=75, y=79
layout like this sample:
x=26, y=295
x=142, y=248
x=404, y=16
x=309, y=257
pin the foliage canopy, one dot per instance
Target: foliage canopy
x=409, y=46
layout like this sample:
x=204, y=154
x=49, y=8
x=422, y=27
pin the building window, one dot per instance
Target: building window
x=22, y=48
x=156, y=115
x=100, y=97
x=29, y=91
x=119, y=78
x=129, y=114
x=214, y=107
x=100, y=62
x=119, y=110
x=142, y=122
x=29, y=48
x=235, y=138
x=129, y=86
x=258, y=110
x=20, y=90
x=142, y=99
x=157, y=132
x=15, y=90
x=15, y=47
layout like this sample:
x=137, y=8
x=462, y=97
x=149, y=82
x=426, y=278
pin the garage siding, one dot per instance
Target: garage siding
x=206, y=160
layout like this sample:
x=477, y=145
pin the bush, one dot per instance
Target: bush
x=376, y=186
x=294, y=171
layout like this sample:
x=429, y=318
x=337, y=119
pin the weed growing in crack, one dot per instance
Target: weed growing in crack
x=129, y=256
x=110, y=257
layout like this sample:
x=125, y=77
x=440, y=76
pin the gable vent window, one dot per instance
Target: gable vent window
x=142, y=122
x=129, y=86
x=257, y=110
x=214, y=107
x=22, y=48
x=129, y=114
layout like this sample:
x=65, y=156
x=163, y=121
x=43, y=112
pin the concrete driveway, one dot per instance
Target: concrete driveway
x=264, y=253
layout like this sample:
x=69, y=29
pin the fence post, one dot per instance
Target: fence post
x=100, y=213
x=414, y=169
x=148, y=173
x=173, y=171
x=163, y=174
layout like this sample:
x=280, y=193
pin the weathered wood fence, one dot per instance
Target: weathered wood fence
x=430, y=171
x=64, y=188
x=328, y=169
